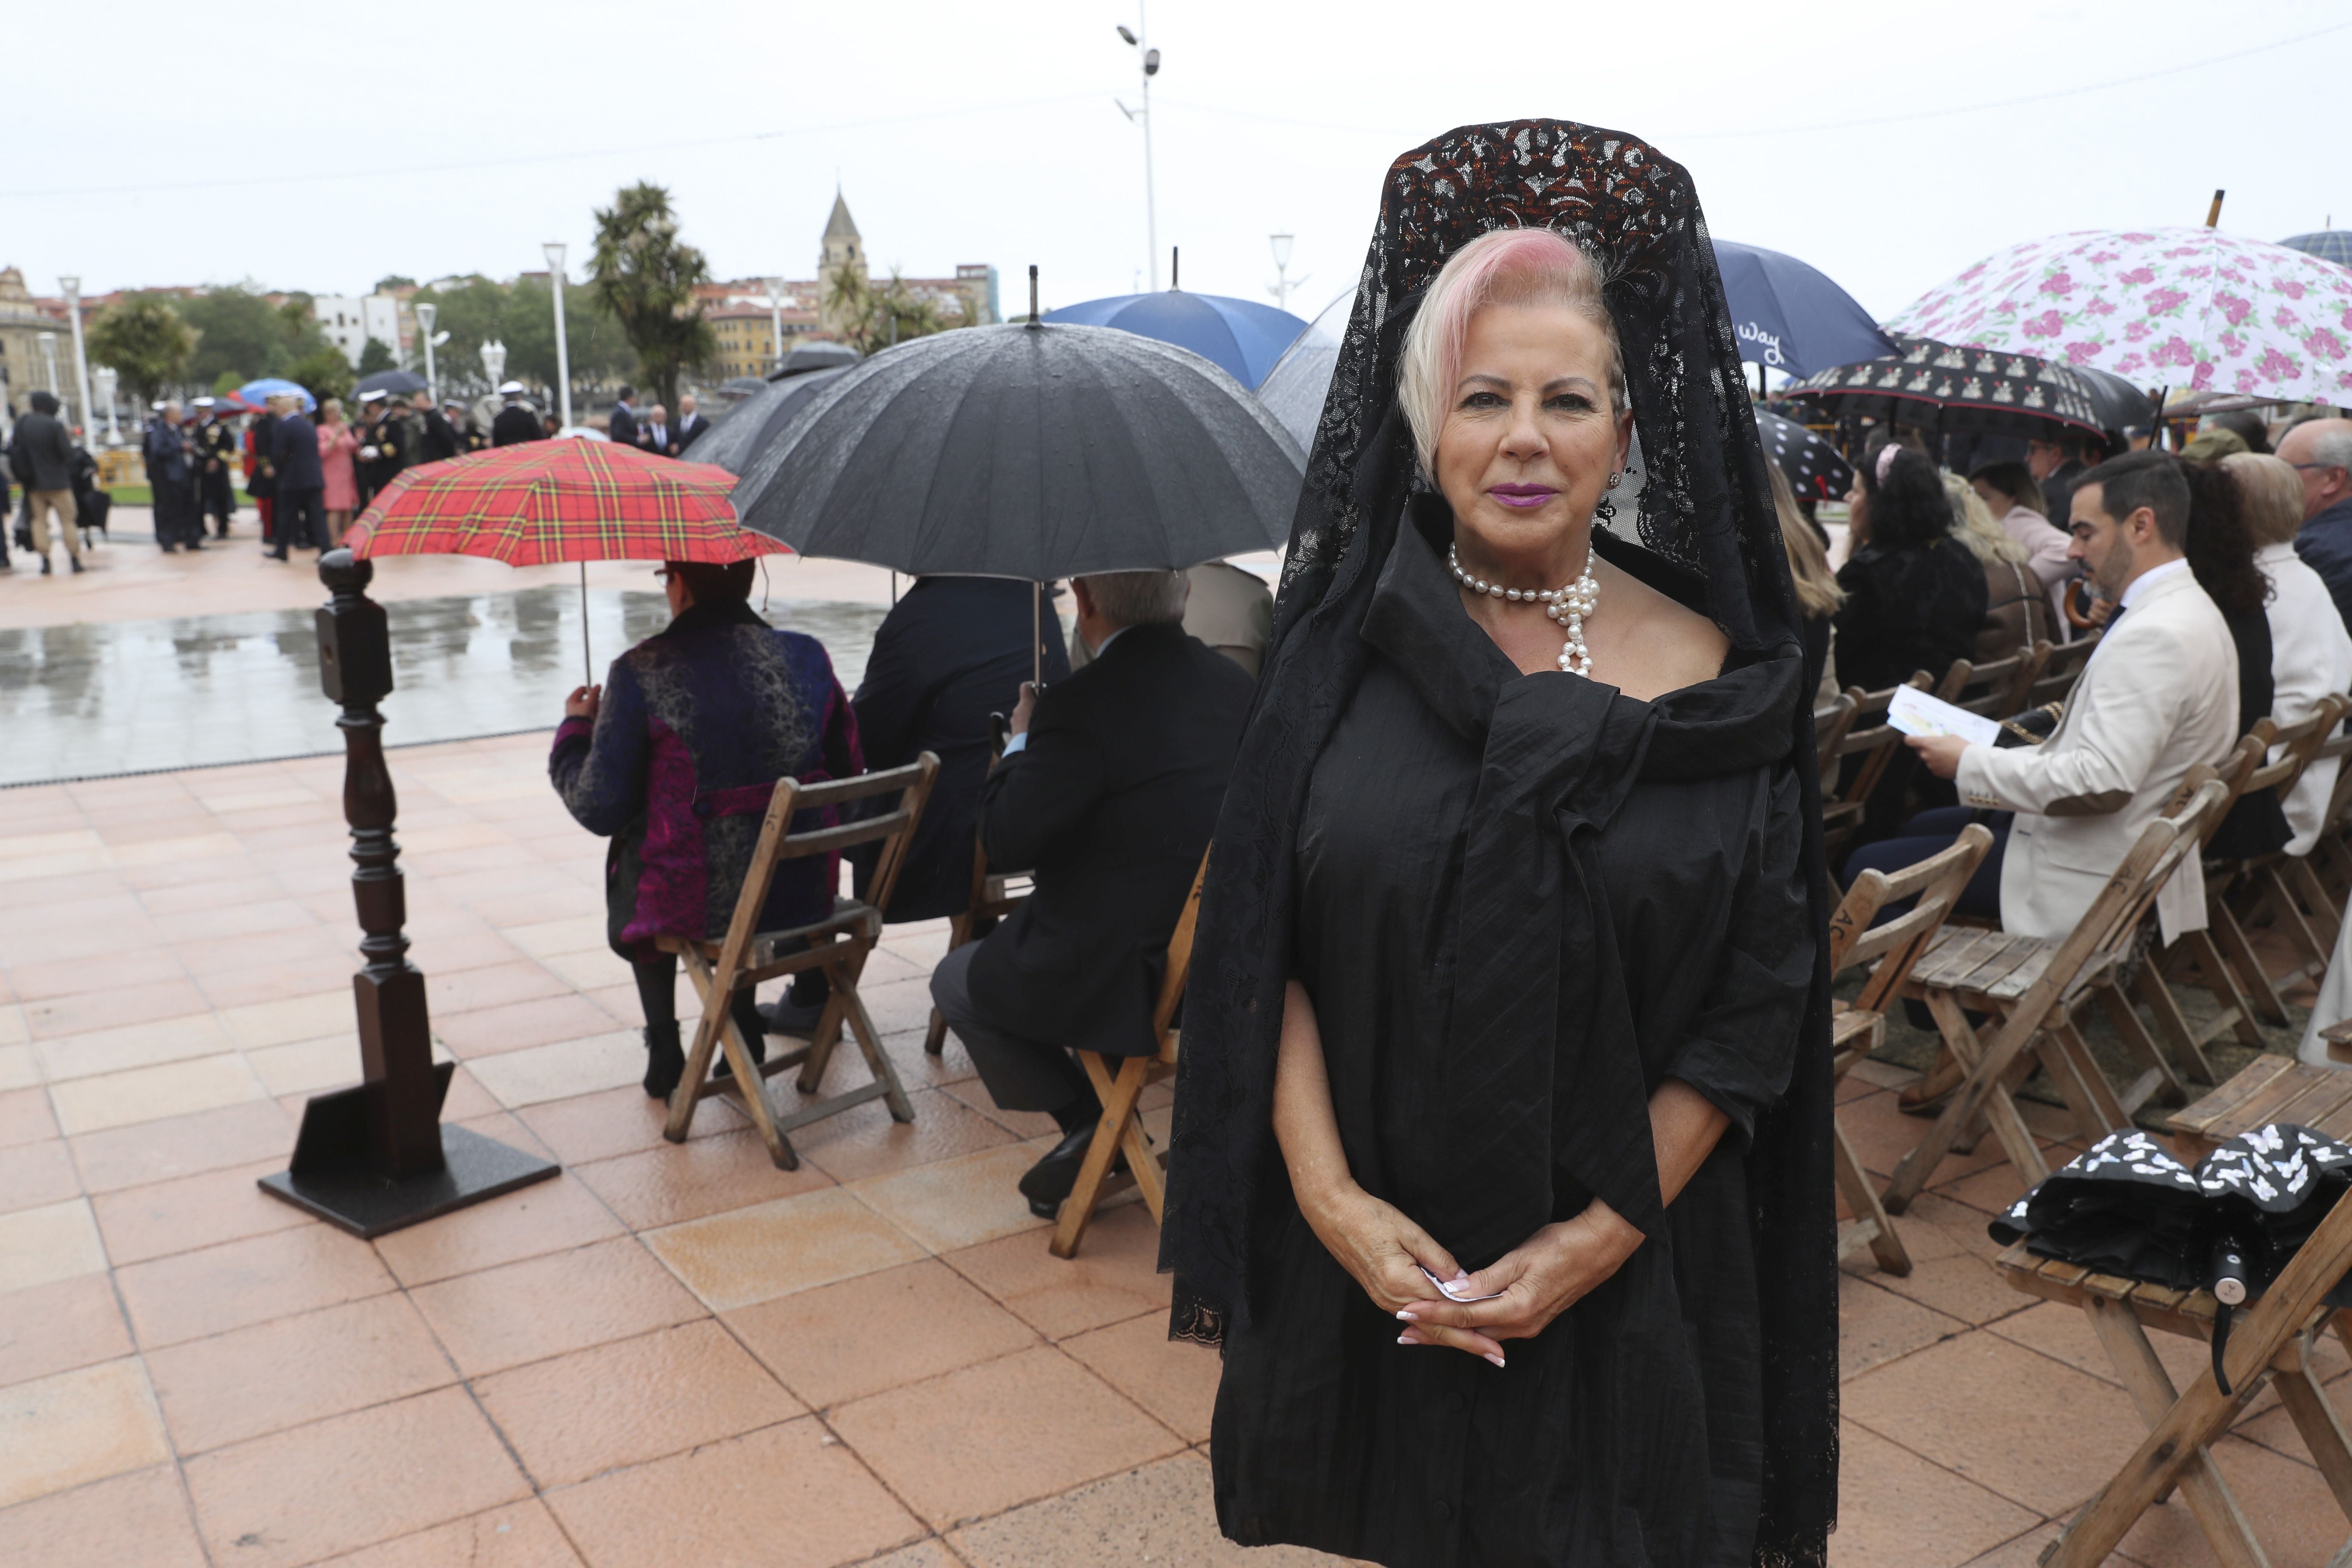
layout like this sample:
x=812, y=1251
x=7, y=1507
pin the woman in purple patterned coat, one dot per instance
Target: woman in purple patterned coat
x=675, y=759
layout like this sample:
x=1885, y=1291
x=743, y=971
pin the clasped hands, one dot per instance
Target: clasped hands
x=1533, y=1283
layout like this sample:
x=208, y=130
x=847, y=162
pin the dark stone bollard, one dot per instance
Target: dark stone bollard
x=374, y=1157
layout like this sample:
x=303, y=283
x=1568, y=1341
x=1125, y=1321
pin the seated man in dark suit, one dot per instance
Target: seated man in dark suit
x=1108, y=793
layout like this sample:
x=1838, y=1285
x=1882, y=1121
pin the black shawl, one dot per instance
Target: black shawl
x=1707, y=507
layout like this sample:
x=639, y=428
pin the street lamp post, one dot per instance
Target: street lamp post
x=106, y=385
x=494, y=361
x=1151, y=61
x=1282, y=284
x=554, y=249
x=425, y=314
x=776, y=320
x=72, y=287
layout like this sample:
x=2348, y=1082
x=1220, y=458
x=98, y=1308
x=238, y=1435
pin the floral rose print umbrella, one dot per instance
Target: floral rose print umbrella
x=2187, y=308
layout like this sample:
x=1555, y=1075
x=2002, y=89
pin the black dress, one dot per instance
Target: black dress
x=1630, y=1431
x=2257, y=825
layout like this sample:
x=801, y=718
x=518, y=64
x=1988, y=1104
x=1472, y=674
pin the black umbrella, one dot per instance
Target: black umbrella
x=2122, y=408
x=1033, y=451
x=738, y=435
x=1953, y=386
x=1036, y=451
x=392, y=383
x=816, y=354
x=1812, y=467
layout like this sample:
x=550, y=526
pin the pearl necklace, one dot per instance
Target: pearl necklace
x=1568, y=606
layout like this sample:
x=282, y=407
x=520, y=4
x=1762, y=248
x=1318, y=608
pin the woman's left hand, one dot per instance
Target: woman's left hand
x=1533, y=1283
x=583, y=702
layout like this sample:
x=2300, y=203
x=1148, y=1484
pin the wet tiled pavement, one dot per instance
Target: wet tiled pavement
x=93, y=694
x=675, y=1354
x=111, y=696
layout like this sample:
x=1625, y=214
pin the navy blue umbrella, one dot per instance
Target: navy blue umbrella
x=2328, y=244
x=1241, y=337
x=1789, y=316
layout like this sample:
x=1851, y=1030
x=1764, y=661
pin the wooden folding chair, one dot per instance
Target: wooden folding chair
x=2197, y=957
x=1864, y=751
x=1121, y=1127
x=2061, y=669
x=2282, y=885
x=2273, y=1342
x=2033, y=988
x=1858, y=1029
x=839, y=945
x=1830, y=726
x=1996, y=690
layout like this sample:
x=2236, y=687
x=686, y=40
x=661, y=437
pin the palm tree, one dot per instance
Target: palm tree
x=647, y=280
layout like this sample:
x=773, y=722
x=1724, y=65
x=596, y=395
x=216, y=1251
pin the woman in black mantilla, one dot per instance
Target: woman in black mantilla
x=1509, y=973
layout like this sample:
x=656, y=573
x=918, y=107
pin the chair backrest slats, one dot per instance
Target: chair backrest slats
x=1935, y=882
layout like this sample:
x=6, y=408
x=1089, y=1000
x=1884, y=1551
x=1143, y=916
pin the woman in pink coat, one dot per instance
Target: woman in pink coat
x=336, y=443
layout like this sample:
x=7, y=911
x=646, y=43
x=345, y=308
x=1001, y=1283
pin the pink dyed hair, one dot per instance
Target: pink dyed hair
x=1501, y=266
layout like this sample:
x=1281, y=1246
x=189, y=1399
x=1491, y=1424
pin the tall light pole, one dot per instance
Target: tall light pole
x=425, y=315
x=494, y=361
x=106, y=383
x=554, y=249
x=776, y=320
x=72, y=287
x=1282, y=284
x=1150, y=59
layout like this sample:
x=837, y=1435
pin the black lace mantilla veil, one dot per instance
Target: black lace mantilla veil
x=1705, y=505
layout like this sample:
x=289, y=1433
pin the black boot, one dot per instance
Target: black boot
x=1049, y=1181
x=664, y=1059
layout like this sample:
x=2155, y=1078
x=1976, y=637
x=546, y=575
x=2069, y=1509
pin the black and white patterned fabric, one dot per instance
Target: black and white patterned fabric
x=2128, y=1208
x=1812, y=467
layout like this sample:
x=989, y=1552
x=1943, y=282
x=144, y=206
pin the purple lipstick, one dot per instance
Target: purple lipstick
x=1526, y=498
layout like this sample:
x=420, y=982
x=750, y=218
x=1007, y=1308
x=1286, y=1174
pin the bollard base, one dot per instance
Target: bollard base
x=355, y=1199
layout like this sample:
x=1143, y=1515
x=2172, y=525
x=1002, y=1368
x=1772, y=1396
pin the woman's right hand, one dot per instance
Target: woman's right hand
x=1379, y=1245
x=583, y=702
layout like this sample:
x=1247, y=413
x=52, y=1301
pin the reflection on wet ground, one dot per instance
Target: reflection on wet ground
x=83, y=700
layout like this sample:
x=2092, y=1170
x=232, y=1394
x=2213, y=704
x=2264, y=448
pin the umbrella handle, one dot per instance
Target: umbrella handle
x=587, y=660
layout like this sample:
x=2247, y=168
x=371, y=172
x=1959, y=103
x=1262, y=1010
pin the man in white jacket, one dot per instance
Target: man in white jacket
x=2160, y=695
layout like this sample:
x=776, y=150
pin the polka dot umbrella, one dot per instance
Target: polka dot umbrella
x=1811, y=465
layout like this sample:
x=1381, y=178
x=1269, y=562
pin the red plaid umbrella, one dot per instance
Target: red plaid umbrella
x=569, y=499
x=572, y=499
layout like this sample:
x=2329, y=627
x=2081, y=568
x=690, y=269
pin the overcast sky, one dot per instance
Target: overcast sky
x=323, y=146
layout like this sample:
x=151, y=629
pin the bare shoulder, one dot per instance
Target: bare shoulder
x=1655, y=646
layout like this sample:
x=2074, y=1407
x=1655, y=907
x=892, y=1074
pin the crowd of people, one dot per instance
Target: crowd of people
x=308, y=472
x=2219, y=581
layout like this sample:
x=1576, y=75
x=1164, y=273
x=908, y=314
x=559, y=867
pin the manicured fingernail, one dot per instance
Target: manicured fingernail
x=1496, y=1359
x=1407, y=1340
x=1405, y=1317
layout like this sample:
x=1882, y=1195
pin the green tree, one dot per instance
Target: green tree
x=227, y=381
x=647, y=280
x=146, y=342
x=392, y=281
x=324, y=373
x=241, y=333
x=599, y=354
x=375, y=355
x=873, y=318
